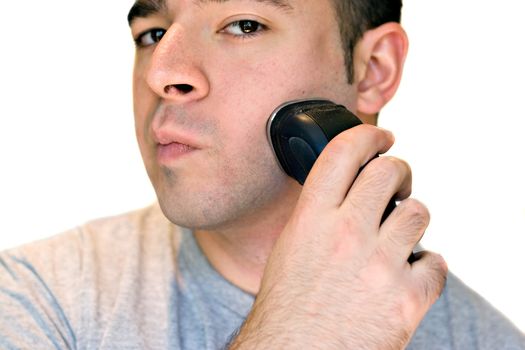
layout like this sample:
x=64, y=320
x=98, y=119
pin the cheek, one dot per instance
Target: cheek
x=247, y=91
x=142, y=95
x=145, y=102
x=249, y=88
x=262, y=81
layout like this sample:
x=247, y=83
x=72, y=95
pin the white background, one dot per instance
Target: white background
x=68, y=152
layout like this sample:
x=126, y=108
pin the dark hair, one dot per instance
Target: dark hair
x=355, y=17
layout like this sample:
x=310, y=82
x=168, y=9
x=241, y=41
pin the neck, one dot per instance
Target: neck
x=239, y=252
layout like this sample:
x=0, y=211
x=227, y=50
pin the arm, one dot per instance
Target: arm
x=32, y=314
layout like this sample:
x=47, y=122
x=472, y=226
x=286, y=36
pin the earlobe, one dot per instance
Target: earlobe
x=379, y=59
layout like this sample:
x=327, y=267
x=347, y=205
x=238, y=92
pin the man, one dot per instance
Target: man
x=325, y=272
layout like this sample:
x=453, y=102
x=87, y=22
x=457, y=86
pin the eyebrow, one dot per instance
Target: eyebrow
x=145, y=8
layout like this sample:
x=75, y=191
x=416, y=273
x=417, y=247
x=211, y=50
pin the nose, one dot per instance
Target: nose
x=175, y=72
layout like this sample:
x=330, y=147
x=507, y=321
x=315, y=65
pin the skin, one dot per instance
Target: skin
x=213, y=91
x=236, y=192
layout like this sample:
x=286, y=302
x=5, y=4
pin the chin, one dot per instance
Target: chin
x=240, y=206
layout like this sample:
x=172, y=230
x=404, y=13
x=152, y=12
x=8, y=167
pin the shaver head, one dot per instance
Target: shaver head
x=299, y=130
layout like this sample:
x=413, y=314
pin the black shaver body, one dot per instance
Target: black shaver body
x=299, y=130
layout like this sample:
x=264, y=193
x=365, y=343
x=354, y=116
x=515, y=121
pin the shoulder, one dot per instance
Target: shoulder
x=58, y=287
x=116, y=237
x=110, y=236
x=63, y=259
x=462, y=319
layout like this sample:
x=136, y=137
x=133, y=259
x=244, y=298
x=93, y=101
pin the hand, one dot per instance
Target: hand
x=337, y=278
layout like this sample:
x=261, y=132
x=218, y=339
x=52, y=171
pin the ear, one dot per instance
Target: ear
x=379, y=58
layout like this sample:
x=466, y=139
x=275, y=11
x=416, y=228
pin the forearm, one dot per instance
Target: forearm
x=305, y=325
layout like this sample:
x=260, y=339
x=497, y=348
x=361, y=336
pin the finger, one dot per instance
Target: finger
x=403, y=229
x=380, y=180
x=429, y=275
x=337, y=165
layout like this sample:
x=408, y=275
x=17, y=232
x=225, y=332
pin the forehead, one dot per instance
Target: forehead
x=144, y=8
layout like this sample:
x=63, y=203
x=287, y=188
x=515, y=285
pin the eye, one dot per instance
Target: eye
x=150, y=37
x=244, y=28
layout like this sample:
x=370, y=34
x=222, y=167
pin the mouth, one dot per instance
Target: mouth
x=171, y=136
x=171, y=146
x=167, y=153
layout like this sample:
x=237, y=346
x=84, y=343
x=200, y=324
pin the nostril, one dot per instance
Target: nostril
x=183, y=88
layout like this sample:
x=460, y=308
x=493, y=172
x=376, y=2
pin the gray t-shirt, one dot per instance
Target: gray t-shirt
x=137, y=281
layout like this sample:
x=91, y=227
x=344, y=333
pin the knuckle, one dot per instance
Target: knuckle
x=440, y=272
x=392, y=167
x=430, y=285
x=362, y=134
x=365, y=128
x=412, y=304
x=337, y=146
x=320, y=185
x=376, y=174
x=350, y=231
x=402, y=166
x=413, y=300
x=342, y=143
x=417, y=213
x=433, y=285
x=308, y=201
x=388, y=163
x=412, y=220
x=380, y=167
x=373, y=131
x=382, y=256
x=386, y=170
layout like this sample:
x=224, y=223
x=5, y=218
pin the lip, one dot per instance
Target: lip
x=171, y=145
x=170, y=152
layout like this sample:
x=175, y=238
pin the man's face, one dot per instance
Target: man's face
x=203, y=95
